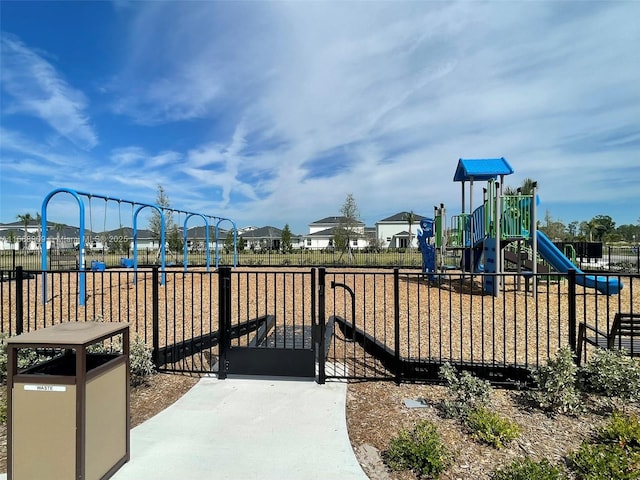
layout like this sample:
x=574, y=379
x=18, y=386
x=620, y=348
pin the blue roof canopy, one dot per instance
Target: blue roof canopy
x=481, y=169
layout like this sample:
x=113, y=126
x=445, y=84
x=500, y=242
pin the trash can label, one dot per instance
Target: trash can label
x=45, y=388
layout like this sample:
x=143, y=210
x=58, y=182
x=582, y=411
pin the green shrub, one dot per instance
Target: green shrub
x=3, y=408
x=622, y=430
x=556, y=385
x=26, y=358
x=3, y=358
x=141, y=362
x=140, y=356
x=527, y=469
x=466, y=392
x=489, y=427
x=605, y=462
x=420, y=450
x=613, y=454
x=612, y=373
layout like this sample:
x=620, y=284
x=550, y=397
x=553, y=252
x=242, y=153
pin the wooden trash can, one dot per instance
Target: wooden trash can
x=68, y=417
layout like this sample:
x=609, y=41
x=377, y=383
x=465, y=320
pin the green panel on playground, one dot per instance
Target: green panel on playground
x=477, y=235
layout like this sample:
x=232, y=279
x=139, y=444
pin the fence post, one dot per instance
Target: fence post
x=19, y=301
x=13, y=259
x=396, y=322
x=322, y=374
x=571, y=298
x=155, y=316
x=224, y=319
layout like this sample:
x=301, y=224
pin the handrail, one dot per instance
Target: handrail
x=516, y=217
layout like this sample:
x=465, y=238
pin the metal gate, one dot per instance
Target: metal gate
x=268, y=323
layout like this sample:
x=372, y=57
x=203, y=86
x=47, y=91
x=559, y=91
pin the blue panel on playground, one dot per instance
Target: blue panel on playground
x=98, y=266
x=426, y=224
x=126, y=263
x=481, y=169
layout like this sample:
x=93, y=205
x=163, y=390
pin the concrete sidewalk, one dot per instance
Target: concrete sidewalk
x=247, y=428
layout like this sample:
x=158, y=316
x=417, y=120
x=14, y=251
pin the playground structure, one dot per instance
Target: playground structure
x=483, y=232
x=137, y=207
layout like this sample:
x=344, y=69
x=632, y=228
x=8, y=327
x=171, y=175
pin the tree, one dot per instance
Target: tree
x=11, y=237
x=155, y=221
x=57, y=227
x=174, y=239
x=603, y=225
x=585, y=230
x=347, y=229
x=39, y=224
x=410, y=218
x=629, y=233
x=26, y=219
x=228, y=242
x=554, y=229
x=526, y=188
x=286, y=239
x=573, y=229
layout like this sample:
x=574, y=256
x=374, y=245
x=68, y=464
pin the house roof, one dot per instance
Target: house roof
x=199, y=232
x=128, y=232
x=327, y=232
x=400, y=218
x=333, y=221
x=469, y=169
x=263, y=232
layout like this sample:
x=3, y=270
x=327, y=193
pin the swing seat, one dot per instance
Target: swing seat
x=126, y=262
x=97, y=266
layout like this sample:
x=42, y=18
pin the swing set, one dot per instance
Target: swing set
x=136, y=208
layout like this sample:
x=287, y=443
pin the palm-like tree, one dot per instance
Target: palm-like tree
x=11, y=237
x=410, y=218
x=39, y=224
x=25, y=218
x=527, y=186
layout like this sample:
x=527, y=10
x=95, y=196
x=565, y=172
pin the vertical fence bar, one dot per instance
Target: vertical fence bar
x=155, y=316
x=19, y=300
x=396, y=323
x=224, y=319
x=322, y=374
x=571, y=298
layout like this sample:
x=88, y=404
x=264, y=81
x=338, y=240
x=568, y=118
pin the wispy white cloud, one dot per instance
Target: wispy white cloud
x=34, y=87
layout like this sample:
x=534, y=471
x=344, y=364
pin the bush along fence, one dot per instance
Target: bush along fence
x=396, y=325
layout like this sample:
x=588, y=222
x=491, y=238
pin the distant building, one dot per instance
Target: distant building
x=322, y=232
x=267, y=238
x=393, y=231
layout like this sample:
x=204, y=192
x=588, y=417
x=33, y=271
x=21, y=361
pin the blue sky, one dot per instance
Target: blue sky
x=272, y=112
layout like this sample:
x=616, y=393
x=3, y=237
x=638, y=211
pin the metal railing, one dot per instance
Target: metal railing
x=613, y=259
x=395, y=324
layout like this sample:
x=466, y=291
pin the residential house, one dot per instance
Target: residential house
x=196, y=238
x=322, y=232
x=393, y=231
x=267, y=238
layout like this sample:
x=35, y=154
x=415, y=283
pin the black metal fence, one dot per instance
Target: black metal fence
x=395, y=324
x=613, y=259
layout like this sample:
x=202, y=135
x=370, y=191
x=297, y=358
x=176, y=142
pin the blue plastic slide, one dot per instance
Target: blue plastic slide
x=551, y=253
